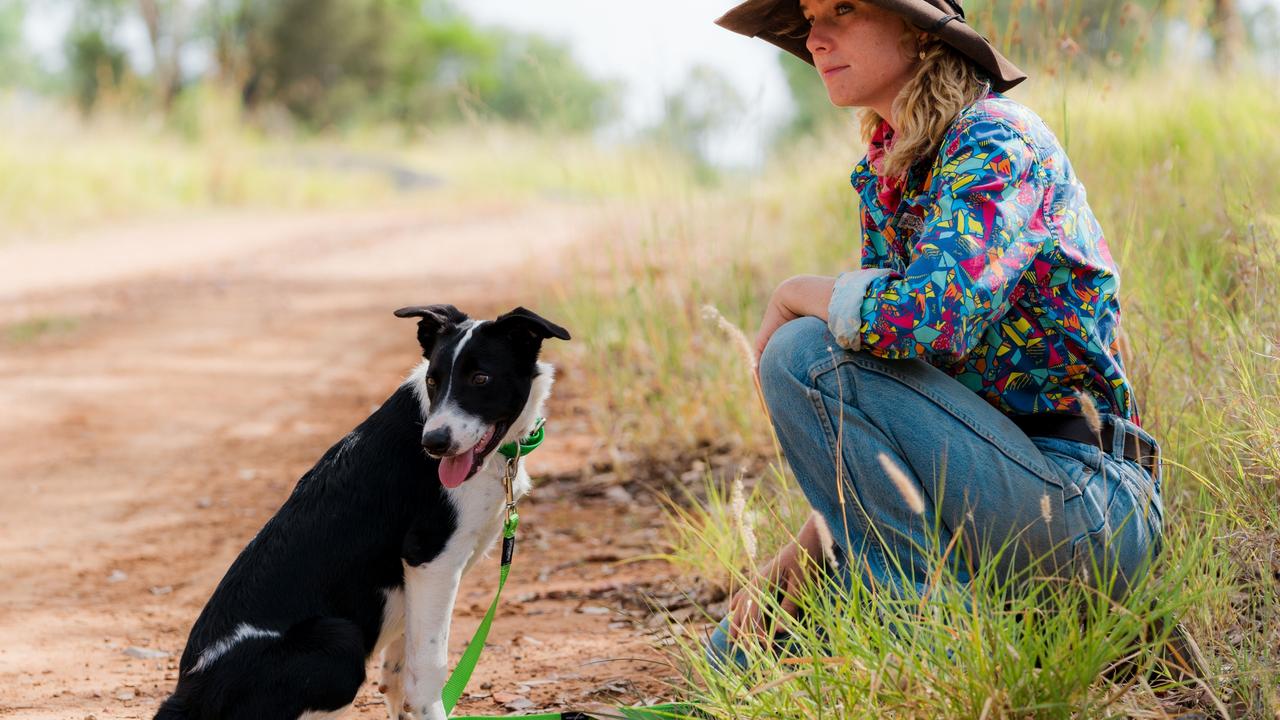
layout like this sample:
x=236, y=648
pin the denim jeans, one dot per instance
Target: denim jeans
x=1066, y=507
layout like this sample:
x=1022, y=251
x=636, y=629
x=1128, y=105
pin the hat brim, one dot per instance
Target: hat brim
x=775, y=20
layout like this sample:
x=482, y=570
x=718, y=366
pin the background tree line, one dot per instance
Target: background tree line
x=327, y=62
x=335, y=63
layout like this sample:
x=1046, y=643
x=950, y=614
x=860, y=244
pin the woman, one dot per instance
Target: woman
x=977, y=346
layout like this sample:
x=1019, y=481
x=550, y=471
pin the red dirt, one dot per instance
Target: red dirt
x=176, y=400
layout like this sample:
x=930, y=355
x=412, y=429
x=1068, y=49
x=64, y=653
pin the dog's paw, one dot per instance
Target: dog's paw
x=392, y=689
x=423, y=710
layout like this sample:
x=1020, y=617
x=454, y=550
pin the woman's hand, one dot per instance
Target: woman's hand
x=800, y=296
x=786, y=574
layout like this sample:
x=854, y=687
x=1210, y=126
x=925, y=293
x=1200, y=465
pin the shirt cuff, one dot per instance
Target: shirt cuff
x=844, y=312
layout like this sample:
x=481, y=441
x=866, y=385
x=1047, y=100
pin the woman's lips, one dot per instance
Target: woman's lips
x=832, y=71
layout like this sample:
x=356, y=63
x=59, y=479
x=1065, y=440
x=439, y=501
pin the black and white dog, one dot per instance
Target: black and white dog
x=367, y=552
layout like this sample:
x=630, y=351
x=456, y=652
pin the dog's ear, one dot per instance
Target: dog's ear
x=435, y=320
x=527, y=324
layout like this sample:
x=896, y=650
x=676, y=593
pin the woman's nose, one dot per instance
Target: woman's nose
x=819, y=40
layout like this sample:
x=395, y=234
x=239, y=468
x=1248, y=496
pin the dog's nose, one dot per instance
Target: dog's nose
x=437, y=442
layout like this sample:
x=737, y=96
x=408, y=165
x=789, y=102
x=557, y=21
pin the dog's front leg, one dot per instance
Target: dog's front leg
x=392, y=687
x=430, y=591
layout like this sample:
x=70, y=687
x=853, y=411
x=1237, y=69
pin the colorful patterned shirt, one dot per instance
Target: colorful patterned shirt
x=988, y=264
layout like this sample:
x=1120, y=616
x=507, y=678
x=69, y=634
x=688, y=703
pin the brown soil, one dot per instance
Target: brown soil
x=158, y=411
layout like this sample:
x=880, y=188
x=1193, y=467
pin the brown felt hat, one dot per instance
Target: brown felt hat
x=777, y=20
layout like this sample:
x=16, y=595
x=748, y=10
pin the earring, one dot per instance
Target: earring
x=922, y=54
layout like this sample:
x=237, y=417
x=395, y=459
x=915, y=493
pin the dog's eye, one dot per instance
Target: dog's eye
x=431, y=383
x=479, y=379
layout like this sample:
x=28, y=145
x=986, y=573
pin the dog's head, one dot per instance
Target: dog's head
x=482, y=384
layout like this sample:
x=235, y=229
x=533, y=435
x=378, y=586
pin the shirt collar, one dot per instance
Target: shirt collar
x=880, y=195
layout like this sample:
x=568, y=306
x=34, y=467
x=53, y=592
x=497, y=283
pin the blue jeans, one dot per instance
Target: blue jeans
x=1065, y=507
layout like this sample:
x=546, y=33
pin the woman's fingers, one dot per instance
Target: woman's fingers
x=745, y=617
x=772, y=320
x=789, y=605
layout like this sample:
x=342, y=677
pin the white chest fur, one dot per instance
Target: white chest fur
x=480, y=504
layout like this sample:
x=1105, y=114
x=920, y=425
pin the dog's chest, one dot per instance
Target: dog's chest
x=479, y=505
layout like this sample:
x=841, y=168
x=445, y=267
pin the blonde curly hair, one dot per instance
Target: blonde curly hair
x=945, y=83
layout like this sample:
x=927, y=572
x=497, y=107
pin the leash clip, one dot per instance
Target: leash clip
x=508, y=487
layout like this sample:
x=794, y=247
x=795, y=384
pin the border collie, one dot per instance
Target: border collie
x=367, y=552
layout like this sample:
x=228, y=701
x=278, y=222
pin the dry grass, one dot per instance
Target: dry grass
x=1181, y=173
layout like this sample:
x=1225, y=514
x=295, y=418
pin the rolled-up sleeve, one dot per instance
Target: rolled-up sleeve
x=844, y=312
x=982, y=232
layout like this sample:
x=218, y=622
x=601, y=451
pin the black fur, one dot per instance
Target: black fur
x=317, y=573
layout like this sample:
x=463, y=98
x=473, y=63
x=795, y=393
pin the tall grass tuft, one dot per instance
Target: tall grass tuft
x=1181, y=173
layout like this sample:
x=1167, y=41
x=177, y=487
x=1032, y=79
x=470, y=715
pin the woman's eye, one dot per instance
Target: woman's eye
x=843, y=8
x=479, y=379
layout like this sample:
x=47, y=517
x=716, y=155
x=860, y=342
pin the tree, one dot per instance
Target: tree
x=536, y=81
x=95, y=61
x=1227, y=30
x=705, y=102
x=166, y=22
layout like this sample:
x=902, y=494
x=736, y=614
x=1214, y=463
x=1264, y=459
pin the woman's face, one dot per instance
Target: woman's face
x=857, y=49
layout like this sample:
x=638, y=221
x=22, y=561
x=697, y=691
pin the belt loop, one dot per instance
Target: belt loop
x=1119, y=434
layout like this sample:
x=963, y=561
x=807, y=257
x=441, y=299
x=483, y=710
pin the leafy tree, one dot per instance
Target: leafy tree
x=333, y=61
x=705, y=102
x=166, y=22
x=95, y=61
x=536, y=81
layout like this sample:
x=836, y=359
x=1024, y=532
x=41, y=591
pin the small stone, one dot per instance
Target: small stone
x=594, y=610
x=117, y=576
x=204, y=502
x=518, y=704
x=161, y=589
x=618, y=494
x=125, y=695
x=145, y=653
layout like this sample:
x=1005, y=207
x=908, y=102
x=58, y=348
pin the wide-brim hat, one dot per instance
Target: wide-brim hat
x=777, y=22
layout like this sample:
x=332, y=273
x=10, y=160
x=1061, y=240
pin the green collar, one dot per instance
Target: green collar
x=526, y=445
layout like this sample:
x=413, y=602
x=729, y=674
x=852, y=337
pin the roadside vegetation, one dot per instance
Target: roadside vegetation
x=383, y=103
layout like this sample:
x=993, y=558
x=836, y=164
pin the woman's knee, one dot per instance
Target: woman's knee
x=792, y=351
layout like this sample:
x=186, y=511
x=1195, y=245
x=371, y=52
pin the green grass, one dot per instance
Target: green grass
x=995, y=647
x=1182, y=175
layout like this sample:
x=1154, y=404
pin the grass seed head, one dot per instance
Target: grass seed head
x=906, y=488
x=734, y=333
x=1090, y=411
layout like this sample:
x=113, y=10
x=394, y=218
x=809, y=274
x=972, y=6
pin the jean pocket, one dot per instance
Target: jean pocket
x=1084, y=490
x=1130, y=535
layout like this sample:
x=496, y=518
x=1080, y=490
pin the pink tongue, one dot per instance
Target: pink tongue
x=454, y=469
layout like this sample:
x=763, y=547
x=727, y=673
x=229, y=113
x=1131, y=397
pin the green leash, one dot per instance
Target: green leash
x=457, y=682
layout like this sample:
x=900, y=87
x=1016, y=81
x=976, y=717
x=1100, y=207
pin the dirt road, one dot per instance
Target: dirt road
x=164, y=387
